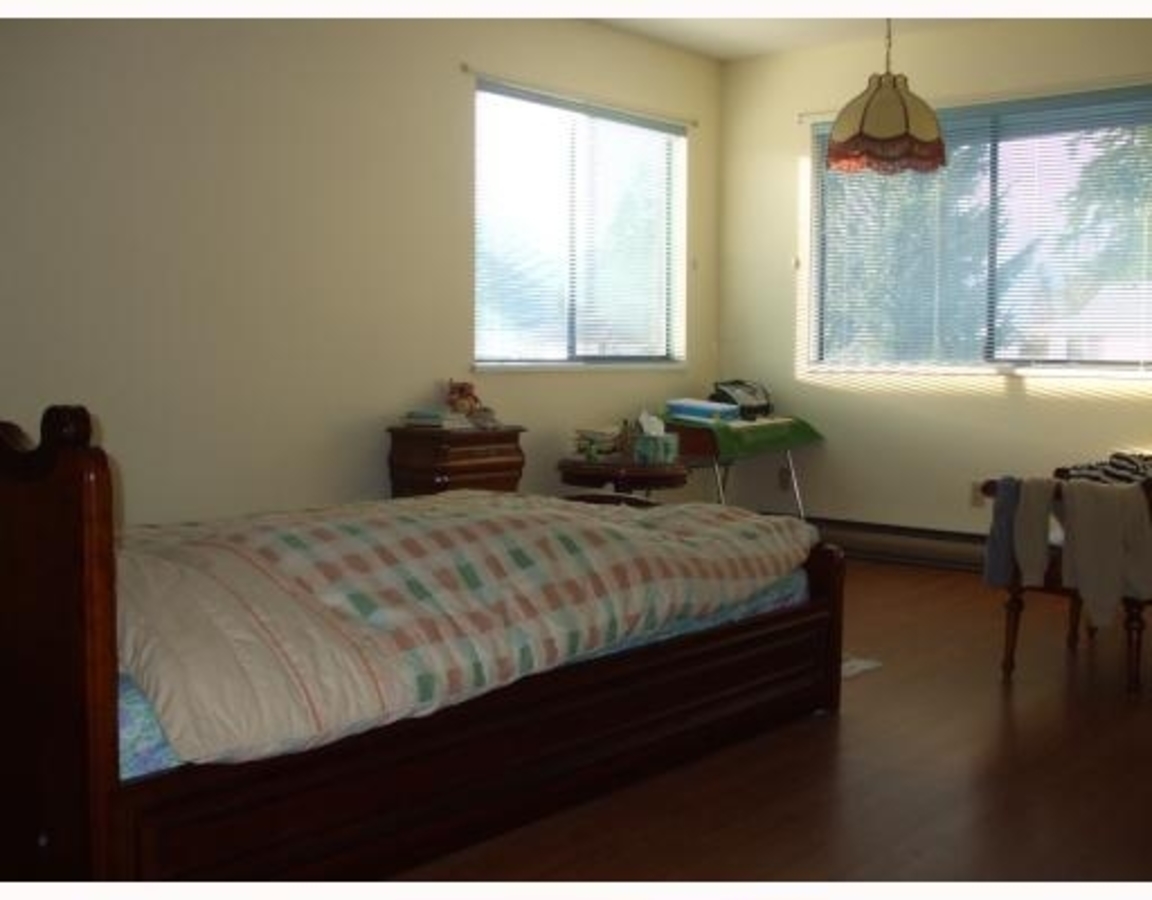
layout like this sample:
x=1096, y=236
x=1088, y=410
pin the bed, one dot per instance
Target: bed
x=368, y=799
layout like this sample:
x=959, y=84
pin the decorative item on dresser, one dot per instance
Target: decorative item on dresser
x=426, y=460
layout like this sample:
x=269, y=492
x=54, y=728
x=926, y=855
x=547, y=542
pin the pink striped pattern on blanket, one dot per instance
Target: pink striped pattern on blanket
x=282, y=631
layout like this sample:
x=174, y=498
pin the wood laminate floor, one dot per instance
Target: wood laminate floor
x=932, y=770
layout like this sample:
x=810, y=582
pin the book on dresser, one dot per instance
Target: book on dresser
x=436, y=418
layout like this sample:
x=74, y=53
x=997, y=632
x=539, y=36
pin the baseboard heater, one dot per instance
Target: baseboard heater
x=896, y=543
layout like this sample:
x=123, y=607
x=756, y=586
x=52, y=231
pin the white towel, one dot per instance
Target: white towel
x=1107, y=545
x=1030, y=528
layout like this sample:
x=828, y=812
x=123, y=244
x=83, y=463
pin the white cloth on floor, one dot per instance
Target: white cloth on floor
x=1107, y=545
x=1030, y=530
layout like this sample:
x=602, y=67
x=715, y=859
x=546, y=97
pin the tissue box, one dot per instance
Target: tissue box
x=655, y=449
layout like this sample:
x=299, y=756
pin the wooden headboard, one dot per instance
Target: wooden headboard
x=57, y=644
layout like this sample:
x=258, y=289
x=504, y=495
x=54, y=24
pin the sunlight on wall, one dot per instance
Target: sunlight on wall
x=1095, y=390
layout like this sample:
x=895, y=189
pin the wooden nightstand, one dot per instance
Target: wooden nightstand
x=430, y=460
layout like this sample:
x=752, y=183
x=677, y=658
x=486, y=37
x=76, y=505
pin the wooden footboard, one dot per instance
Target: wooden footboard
x=367, y=805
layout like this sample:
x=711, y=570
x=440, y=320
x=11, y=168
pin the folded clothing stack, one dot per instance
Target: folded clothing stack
x=436, y=418
x=1119, y=468
x=701, y=409
x=592, y=443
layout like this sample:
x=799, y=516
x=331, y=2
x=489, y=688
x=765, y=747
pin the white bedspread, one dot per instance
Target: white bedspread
x=269, y=634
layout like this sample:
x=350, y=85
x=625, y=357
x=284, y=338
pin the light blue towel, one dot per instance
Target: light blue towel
x=1000, y=549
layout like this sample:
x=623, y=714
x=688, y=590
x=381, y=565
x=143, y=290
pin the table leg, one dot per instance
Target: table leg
x=795, y=483
x=1075, y=608
x=1134, y=634
x=721, y=482
x=1013, y=606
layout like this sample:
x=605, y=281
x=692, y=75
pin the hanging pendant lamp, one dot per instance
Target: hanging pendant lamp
x=887, y=128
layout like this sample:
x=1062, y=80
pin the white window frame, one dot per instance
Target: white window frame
x=1007, y=304
x=666, y=332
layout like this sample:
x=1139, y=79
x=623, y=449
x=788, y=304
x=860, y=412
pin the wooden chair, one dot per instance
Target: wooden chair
x=1014, y=608
x=1134, y=638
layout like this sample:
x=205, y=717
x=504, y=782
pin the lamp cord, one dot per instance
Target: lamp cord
x=888, y=47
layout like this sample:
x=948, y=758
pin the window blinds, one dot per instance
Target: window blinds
x=580, y=225
x=1031, y=247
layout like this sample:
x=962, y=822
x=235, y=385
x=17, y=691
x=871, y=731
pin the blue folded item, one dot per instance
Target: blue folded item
x=1000, y=549
x=702, y=409
x=144, y=747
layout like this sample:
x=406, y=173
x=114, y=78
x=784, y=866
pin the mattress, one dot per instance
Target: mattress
x=145, y=750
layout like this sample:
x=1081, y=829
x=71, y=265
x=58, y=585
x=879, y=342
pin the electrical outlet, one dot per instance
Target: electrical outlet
x=976, y=497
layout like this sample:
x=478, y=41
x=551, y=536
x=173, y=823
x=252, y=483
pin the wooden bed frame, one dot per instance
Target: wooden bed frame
x=367, y=805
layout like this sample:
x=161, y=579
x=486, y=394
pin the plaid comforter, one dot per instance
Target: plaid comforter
x=269, y=634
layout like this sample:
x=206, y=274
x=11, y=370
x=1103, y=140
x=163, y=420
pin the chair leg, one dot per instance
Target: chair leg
x=1013, y=607
x=1075, y=607
x=1134, y=632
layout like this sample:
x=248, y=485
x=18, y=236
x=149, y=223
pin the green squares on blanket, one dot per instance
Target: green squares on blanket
x=479, y=676
x=469, y=576
x=416, y=589
x=425, y=687
x=293, y=541
x=364, y=605
x=520, y=557
x=569, y=544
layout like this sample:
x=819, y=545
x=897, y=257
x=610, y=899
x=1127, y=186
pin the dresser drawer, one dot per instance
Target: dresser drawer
x=429, y=460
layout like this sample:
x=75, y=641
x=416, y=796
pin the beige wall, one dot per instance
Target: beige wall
x=247, y=246
x=901, y=451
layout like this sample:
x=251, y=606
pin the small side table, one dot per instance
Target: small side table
x=719, y=445
x=622, y=474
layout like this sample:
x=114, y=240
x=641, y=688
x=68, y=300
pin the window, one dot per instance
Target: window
x=580, y=232
x=1032, y=247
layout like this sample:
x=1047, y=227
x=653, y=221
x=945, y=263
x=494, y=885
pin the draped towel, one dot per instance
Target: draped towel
x=1107, y=545
x=1032, y=528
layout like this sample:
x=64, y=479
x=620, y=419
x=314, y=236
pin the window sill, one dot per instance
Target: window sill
x=1001, y=370
x=518, y=368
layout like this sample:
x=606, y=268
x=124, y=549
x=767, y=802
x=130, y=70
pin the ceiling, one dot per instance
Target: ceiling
x=730, y=39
